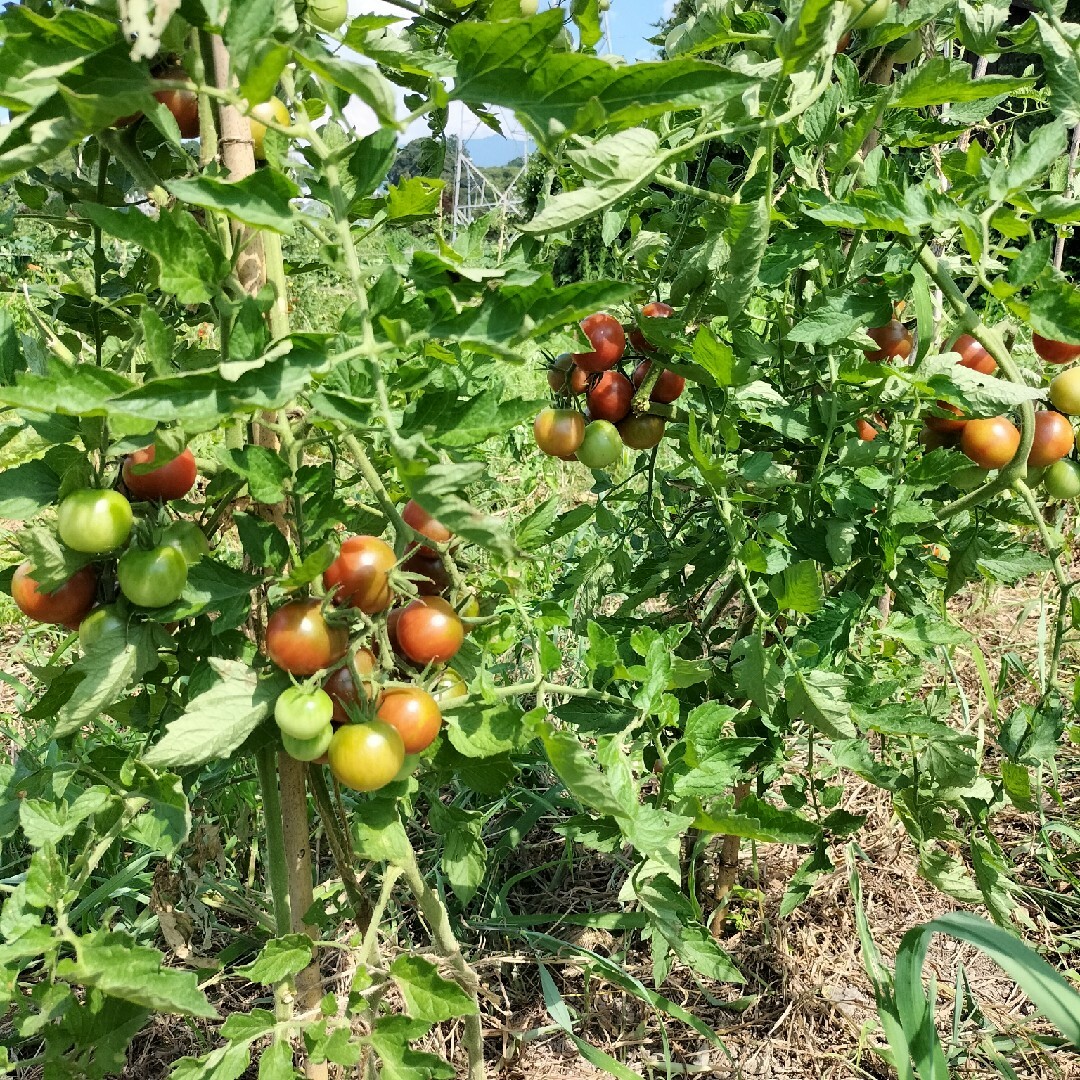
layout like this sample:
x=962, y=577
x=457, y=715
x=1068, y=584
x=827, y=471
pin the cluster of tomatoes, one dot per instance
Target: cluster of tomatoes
x=992, y=442
x=148, y=559
x=365, y=719
x=596, y=436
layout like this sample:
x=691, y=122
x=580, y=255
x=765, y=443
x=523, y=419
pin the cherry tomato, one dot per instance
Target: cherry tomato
x=94, y=521
x=559, y=432
x=906, y=49
x=577, y=382
x=429, y=631
x=1065, y=391
x=557, y=373
x=1062, y=480
x=171, y=481
x=327, y=14
x=934, y=440
x=863, y=14
x=609, y=398
x=272, y=110
x=946, y=424
x=434, y=577
x=606, y=335
x=894, y=341
x=655, y=310
x=183, y=104
x=341, y=686
x=310, y=749
x=528, y=7
x=666, y=389
x=301, y=641
x=843, y=43
x=449, y=687
x=973, y=355
x=641, y=432
x=100, y=621
x=392, y=620
x=65, y=606
x=990, y=443
x=1053, y=439
x=416, y=517
x=302, y=713
x=1054, y=352
x=360, y=575
x=366, y=757
x=602, y=445
x=152, y=578
x=414, y=714
x=188, y=539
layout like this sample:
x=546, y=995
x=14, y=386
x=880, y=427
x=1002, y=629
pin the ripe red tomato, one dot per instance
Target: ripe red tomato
x=301, y=641
x=183, y=104
x=894, y=341
x=1053, y=439
x=641, y=432
x=341, y=687
x=865, y=430
x=609, y=399
x=366, y=757
x=990, y=443
x=577, y=381
x=434, y=577
x=1065, y=391
x=1054, y=352
x=429, y=631
x=172, y=480
x=655, y=310
x=606, y=335
x=667, y=388
x=65, y=606
x=413, y=713
x=416, y=517
x=360, y=575
x=559, y=432
x=973, y=355
x=946, y=424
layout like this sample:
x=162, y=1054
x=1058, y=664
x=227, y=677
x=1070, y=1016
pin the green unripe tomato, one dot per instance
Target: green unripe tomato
x=529, y=7
x=94, y=521
x=153, y=578
x=601, y=446
x=906, y=49
x=1062, y=480
x=100, y=621
x=188, y=539
x=272, y=109
x=308, y=749
x=327, y=14
x=866, y=13
x=303, y=714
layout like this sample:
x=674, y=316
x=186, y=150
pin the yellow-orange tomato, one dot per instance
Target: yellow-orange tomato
x=559, y=432
x=366, y=757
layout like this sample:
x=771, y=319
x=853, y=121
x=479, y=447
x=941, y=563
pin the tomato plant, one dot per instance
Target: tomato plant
x=173, y=480
x=1053, y=439
x=153, y=577
x=360, y=575
x=609, y=397
x=302, y=713
x=608, y=340
x=300, y=640
x=991, y=443
x=66, y=605
x=413, y=713
x=94, y=521
x=429, y=631
x=366, y=757
x=559, y=432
